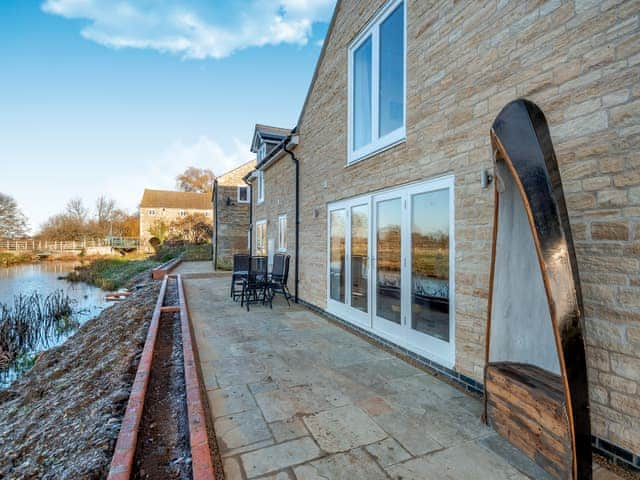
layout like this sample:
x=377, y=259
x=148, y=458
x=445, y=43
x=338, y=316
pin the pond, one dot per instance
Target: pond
x=43, y=278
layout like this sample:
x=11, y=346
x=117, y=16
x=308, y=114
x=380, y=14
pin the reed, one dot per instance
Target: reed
x=33, y=321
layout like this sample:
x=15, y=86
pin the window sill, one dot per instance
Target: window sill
x=357, y=159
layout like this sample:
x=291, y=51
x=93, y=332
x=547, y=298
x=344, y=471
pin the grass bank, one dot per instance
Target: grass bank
x=111, y=273
x=114, y=273
x=8, y=259
x=189, y=253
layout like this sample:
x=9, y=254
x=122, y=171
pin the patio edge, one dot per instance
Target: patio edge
x=201, y=455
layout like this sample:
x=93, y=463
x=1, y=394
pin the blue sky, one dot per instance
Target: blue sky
x=112, y=96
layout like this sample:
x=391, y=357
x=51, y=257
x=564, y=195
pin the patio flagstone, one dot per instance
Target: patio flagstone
x=302, y=398
x=277, y=457
x=343, y=428
x=457, y=463
x=355, y=464
x=235, y=399
x=241, y=429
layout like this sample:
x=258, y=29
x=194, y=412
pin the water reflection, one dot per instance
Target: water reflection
x=430, y=264
x=337, y=253
x=359, y=257
x=44, y=279
x=389, y=214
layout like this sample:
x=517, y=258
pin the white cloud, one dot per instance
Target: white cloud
x=161, y=171
x=179, y=27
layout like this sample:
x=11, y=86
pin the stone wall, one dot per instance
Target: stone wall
x=279, y=199
x=232, y=224
x=233, y=220
x=580, y=62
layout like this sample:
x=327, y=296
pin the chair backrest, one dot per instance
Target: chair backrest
x=241, y=262
x=280, y=272
x=258, y=268
x=285, y=277
x=277, y=270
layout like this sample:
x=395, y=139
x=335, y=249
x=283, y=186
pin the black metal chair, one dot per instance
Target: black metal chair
x=278, y=278
x=254, y=286
x=239, y=272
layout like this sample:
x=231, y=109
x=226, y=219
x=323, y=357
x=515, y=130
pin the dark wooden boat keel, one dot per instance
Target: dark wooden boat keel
x=536, y=392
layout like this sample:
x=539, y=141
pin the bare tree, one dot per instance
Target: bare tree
x=196, y=180
x=105, y=210
x=13, y=223
x=193, y=228
x=76, y=211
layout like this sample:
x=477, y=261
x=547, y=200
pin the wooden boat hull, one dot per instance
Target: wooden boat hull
x=535, y=324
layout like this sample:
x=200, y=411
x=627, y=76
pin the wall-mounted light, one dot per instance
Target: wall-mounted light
x=229, y=202
x=486, y=178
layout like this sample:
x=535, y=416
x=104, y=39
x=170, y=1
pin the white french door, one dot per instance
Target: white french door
x=349, y=260
x=391, y=266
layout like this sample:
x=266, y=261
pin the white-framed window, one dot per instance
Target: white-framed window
x=260, y=181
x=151, y=212
x=243, y=194
x=261, y=237
x=377, y=83
x=282, y=233
x=183, y=213
x=262, y=152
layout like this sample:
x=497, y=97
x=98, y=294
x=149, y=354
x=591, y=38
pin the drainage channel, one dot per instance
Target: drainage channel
x=164, y=431
x=162, y=449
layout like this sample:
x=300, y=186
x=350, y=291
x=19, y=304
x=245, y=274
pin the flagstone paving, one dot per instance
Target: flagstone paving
x=294, y=396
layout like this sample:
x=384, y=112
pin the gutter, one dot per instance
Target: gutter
x=297, y=250
x=215, y=224
x=250, y=216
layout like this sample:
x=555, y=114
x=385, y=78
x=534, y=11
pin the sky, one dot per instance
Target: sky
x=112, y=96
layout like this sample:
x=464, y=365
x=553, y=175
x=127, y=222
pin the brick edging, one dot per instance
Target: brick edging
x=201, y=458
x=165, y=269
x=619, y=456
x=122, y=460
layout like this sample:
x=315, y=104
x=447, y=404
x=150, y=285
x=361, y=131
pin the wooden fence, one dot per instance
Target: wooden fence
x=32, y=245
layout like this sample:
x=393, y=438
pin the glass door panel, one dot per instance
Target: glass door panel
x=430, y=263
x=360, y=257
x=388, y=259
x=337, y=255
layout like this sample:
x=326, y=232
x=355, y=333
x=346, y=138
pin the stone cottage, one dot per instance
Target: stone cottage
x=231, y=199
x=159, y=208
x=391, y=142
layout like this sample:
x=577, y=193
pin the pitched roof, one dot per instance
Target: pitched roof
x=233, y=177
x=171, y=199
x=267, y=133
x=269, y=130
x=316, y=71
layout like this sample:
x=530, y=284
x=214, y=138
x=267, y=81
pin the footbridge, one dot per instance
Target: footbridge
x=44, y=247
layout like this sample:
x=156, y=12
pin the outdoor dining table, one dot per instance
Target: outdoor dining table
x=257, y=284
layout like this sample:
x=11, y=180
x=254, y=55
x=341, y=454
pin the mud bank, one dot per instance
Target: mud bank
x=61, y=420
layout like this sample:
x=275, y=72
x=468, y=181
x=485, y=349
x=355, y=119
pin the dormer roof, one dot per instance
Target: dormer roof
x=268, y=134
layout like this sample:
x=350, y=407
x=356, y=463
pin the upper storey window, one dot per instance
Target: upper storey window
x=260, y=186
x=262, y=152
x=243, y=194
x=377, y=83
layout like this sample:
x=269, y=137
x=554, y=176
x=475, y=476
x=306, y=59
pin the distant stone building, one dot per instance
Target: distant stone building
x=231, y=214
x=159, y=208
